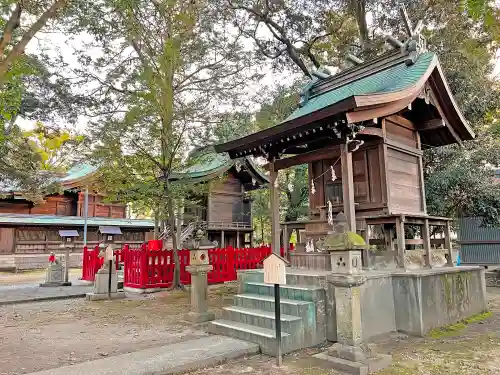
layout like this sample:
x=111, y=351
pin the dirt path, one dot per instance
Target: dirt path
x=46, y=335
x=474, y=350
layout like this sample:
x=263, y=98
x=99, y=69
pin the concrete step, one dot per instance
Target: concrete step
x=266, y=338
x=266, y=303
x=261, y=318
x=293, y=277
x=292, y=292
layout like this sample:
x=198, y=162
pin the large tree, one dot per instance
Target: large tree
x=167, y=69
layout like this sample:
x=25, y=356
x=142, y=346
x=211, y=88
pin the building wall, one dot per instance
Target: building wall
x=65, y=205
x=226, y=201
x=39, y=240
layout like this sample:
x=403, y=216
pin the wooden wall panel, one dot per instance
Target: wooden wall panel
x=14, y=208
x=403, y=177
x=55, y=205
x=98, y=208
x=401, y=130
x=222, y=207
x=7, y=240
x=373, y=157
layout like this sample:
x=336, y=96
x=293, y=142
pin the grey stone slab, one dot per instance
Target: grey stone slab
x=31, y=293
x=169, y=359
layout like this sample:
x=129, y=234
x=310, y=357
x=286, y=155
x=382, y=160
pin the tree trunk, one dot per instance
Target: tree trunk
x=157, y=219
x=262, y=229
x=176, y=282
x=18, y=49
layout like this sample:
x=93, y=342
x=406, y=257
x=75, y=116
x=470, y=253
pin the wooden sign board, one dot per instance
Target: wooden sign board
x=109, y=254
x=275, y=270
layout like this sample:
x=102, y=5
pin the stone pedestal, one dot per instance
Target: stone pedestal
x=199, y=294
x=351, y=354
x=55, y=276
x=101, y=284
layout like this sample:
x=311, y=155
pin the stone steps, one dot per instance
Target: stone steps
x=292, y=292
x=252, y=317
x=266, y=338
x=261, y=318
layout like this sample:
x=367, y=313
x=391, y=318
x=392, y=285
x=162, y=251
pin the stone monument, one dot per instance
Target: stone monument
x=350, y=354
x=198, y=268
x=55, y=273
x=103, y=288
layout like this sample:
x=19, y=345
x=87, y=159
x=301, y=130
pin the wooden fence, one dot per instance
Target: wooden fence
x=146, y=269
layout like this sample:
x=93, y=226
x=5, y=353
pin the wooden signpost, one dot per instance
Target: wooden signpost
x=109, y=259
x=275, y=273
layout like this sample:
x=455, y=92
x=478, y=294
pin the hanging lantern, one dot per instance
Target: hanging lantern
x=254, y=181
x=237, y=165
x=334, y=176
x=313, y=188
x=290, y=186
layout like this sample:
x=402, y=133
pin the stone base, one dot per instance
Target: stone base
x=354, y=360
x=199, y=317
x=56, y=283
x=101, y=296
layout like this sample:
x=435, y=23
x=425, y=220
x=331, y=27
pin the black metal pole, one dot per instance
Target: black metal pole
x=110, y=262
x=277, y=312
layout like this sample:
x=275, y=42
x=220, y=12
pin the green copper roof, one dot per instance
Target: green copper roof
x=205, y=162
x=395, y=78
x=20, y=219
x=79, y=171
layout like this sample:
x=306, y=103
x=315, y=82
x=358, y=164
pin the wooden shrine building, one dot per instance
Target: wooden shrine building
x=225, y=205
x=362, y=133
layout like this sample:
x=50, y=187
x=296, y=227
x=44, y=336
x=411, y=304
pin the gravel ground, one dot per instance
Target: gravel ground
x=44, y=335
x=32, y=277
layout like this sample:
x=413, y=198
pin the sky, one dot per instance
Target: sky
x=54, y=43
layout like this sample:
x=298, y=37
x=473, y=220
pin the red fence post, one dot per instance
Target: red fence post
x=143, y=268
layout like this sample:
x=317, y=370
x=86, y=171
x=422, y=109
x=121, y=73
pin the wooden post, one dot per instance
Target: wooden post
x=348, y=188
x=237, y=239
x=366, y=252
x=400, y=237
x=447, y=243
x=275, y=215
x=427, y=243
x=285, y=241
x=222, y=240
x=297, y=235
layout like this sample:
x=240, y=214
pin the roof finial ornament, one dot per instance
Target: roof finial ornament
x=415, y=44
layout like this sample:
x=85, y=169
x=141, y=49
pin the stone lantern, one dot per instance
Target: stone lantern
x=344, y=247
x=198, y=268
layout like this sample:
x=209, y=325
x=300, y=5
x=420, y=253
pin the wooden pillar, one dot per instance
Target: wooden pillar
x=388, y=234
x=348, y=187
x=427, y=243
x=285, y=240
x=297, y=235
x=275, y=214
x=208, y=216
x=366, y=252
x=447, y=243
x=222, y=239
x=237, y=239
x=400, y=238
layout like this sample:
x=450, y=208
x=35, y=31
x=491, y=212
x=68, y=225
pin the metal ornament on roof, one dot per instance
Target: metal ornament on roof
x=416, y=44
x=290, y=186
x=237, y=165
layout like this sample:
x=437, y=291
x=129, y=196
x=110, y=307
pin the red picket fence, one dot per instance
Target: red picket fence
x=92, y=262
x=155, y=269
x=145, y=268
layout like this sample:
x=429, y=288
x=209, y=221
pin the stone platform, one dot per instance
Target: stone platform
x=412, y=301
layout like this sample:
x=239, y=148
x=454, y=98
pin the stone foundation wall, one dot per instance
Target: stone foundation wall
x=436, y=298
x=377, y=306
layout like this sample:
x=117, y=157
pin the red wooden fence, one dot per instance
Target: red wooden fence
x=145, y=268
x=92, y=262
